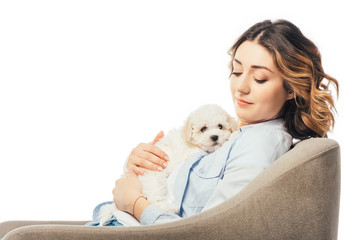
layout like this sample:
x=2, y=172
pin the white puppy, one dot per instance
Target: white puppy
x=206, y=129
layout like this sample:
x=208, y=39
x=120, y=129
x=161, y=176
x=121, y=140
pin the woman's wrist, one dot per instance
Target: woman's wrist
x=140, y=204
x=137, y=199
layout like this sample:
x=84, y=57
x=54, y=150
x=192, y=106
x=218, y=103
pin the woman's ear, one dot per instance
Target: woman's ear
x=289, y=89
x=290, y=95
x=187, y=130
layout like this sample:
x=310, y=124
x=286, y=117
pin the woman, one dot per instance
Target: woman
x=279, y=94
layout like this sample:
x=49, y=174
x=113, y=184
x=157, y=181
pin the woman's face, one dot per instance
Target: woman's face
x=256, y=85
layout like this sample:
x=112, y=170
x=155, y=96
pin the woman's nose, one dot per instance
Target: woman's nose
x=243, y=84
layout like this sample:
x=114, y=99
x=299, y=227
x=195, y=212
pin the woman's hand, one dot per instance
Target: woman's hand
x=148, y=156
x=128, y=197
x=127, y=190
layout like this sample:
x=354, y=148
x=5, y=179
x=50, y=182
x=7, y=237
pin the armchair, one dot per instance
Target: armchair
x=297, y=197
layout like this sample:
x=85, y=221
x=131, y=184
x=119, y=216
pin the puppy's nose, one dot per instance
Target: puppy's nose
x=214, y=138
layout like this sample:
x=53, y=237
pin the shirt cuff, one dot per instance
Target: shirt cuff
x=150, y=215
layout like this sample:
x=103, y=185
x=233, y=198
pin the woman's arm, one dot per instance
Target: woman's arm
x=128, y=198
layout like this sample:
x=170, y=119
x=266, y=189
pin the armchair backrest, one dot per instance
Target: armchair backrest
x=297, y=197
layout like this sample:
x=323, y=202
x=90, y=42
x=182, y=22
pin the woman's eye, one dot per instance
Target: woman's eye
x=220, y=126
x=203, y=129
x=237, y=74
x=260, y=81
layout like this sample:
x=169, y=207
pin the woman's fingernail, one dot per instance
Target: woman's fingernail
x=166, y=158
x=159, y=168
x=165, y=164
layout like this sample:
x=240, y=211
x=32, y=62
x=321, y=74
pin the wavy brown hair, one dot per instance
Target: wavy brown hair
x=311, y=112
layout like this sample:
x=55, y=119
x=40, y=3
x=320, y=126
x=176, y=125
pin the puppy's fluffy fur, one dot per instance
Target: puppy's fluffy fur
x=206, y=129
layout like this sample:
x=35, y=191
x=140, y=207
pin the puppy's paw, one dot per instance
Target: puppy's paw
x=106, y=213
x=103, y=221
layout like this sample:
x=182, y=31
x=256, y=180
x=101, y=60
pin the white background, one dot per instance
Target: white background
x=83, y=82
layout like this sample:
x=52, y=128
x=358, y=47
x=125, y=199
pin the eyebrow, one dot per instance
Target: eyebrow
x=255, y=66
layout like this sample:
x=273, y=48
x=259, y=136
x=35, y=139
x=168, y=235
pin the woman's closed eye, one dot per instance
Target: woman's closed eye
x=237, y=74
x=260, y=81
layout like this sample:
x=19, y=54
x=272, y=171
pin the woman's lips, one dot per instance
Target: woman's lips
x=242, y=102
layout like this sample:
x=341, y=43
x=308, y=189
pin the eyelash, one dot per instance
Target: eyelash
x=260, y=81
x=238, y=74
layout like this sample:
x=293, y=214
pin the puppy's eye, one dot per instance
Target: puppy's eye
x=220, y=126
x=203, y=129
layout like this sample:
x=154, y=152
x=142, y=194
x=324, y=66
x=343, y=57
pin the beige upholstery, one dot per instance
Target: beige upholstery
x=297, y=197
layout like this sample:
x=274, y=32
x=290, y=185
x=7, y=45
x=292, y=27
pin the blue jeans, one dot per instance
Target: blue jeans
x=113, y=222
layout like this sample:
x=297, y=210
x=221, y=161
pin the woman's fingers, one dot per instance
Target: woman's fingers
x=157, y=152
x=149, y=161
x=158, y=137
x=147, y=156
x=137, y=170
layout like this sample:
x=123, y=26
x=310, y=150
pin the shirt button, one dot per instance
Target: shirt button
x=202, y=171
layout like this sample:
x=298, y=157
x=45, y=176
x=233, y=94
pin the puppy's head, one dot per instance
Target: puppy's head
x=209, y=127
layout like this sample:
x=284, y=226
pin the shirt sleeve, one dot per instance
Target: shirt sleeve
x=250, y=155
x=155, y=215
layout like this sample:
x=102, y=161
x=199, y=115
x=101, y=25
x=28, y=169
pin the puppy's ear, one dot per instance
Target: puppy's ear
x=234, y=125
x=187, y=130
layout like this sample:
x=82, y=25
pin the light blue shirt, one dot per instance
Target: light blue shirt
x=206, y=180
